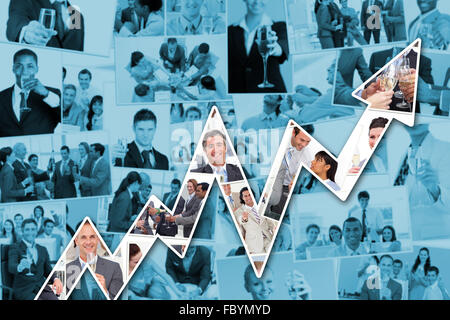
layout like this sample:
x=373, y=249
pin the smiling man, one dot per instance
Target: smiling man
x=215, y=148
x=107, y=272
x=352, y=232
x=28, y=107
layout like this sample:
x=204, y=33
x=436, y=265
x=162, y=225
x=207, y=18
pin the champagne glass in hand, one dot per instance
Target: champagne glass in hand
x=262, y=35
x=47, y=18
x=404, y=72
x=388, y=79
x=29, y=257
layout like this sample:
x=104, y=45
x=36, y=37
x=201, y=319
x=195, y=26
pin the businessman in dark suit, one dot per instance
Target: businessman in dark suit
x=245, y=65
x=382, y=286
x=22, y=170
x=108, y=273
x=23, y=24
x=99, y=181
x=394, y=20
x=63, y=178
x=173, y=55
x=351, y=60
x=195, y=268
x=28, y=107
x=170, y=197
x=380, y=58
x=27, y=257
x=11, y=190
x=140, y=153
x=368, y=20
x=215, y=146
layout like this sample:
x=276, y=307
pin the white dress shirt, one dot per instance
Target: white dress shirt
x=294, y=160
x=151, y=155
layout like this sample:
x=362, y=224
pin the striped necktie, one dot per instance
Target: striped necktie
x=257, y=217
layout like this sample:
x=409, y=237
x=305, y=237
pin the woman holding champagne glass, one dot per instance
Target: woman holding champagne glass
x=257, y=46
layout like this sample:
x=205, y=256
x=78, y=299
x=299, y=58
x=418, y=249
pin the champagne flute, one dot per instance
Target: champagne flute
x=29, y=257
x=426, y=34
x=404, y=72
x=262, y=41
x=47, y=18
x=388, y=79
x=207, y=24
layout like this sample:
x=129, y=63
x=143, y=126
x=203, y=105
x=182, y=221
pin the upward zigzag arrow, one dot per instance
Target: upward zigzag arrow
x=257, y=259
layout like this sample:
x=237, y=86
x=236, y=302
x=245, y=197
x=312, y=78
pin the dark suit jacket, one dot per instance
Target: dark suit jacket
x=144, y=216
x=11, y=189
x=64, y=186
x=126, y=15
x=378, y=61
x=21, y=12
x=199, y=272
x=100, y=179
x=365, y=15
x=26, y=287
x=171, y=203
x=324, y=19
x=179, y=59
x=86, y=171
x=120, y=213
x=349, y=60
x=374, y=294
x=233, y=172
x=21, y=173
x=246, y=72
x=41, y=119
x=107, y=268
x=134, y=159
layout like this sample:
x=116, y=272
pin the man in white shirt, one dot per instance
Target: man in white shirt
x=85, y=92
x=257, y=231
x=436, y=289
x=191, y=21
x=108, y=273
x=28, y=107
x=431, y=26
x=352, y=246
x=371, y=219
x=296, y=154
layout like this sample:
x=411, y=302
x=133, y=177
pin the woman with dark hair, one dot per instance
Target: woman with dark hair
x=245, y=63
x=376, y=129
x=95, y=114
x=8, y=231
x=335, y=235
x=325, y=167
x=121, y=215
x=176, y=113
x=388, y=235
x=134, y=256
x=38, y=216
x=417, y=279
x=206, y=88
x=11, y=190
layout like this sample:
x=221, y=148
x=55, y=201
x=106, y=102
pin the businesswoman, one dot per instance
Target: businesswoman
x=10, y=188
x=417, y=279
x=8, y=231
x=390, y=238
x=120, y=213
x=245, y=64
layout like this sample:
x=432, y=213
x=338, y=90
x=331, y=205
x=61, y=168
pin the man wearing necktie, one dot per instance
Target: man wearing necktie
x=352, y=234
x=30, y=265
x=432, y=26
x=371, y=219
x=170, y=197
x=28, y=107
x=141, y=153
x=296, y=153
x=23, y=24
x=107, y=273
x=215, y=148
x=257, y=231
x=424, y=170
x=63, y=179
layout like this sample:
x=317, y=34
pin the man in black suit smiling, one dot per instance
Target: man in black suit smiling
x=215, y=147
x=28, y=107
x=140, y=153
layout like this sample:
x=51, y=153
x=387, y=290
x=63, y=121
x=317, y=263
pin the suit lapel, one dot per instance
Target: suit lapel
x=239, y=44
x=9, y=106
x=134, y=154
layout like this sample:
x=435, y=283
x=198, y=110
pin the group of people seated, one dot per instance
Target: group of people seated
x=391, y=278
x=66, y=178
x=174, y=73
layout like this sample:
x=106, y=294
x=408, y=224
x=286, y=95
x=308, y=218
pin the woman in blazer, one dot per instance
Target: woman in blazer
x=121, y=215
x=245, y=64
x=327, y=26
